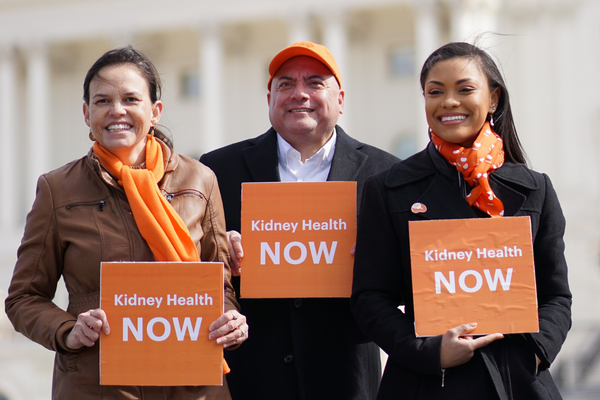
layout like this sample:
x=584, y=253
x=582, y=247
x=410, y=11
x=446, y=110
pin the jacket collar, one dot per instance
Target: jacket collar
x=170, y=157
x=511, y=183
x=347, y=159
x=261, y=158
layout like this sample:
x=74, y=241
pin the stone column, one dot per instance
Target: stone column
x=427, y=39
x=211, y=88
x=299, y=28
x=471, y=18
x=38, y=117
x=8, y=151
x=335, y=38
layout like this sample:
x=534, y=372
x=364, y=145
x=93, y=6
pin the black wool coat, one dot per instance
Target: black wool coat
x=505, y=369
x=307, y=349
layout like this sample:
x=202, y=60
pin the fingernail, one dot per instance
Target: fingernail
x=473, y=324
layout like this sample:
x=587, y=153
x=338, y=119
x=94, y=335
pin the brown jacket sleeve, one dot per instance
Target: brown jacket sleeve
x=214, y=242
x=38, y=269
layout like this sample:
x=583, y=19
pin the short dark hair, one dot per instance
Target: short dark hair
x=131, y=56
x=504, y=124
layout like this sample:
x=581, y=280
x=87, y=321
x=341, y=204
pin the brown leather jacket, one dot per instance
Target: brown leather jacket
x=81, y=217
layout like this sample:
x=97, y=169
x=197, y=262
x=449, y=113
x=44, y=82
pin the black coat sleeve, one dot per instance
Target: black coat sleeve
x=554, y=297
x=377, y=286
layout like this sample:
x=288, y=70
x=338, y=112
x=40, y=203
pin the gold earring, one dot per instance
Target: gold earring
x=151, y=133
x=92, y=137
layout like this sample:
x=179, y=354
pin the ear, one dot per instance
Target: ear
x=269, y=98
x=495, y=99
x=86, y=114
x=156, y=112
x=341, y=101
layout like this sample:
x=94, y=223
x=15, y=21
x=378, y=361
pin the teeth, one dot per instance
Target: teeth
x=301, y=110
x=454, y=118
x=118, y=127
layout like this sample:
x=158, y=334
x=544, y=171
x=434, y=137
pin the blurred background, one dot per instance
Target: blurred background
x=213, y=58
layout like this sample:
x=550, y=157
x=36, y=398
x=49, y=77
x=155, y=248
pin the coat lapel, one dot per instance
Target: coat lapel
x=512, y=184
x=442, y=196
x=261, y=158
x=347, y=160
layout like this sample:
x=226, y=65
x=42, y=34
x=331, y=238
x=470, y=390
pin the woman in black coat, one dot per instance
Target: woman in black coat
x=468, y=112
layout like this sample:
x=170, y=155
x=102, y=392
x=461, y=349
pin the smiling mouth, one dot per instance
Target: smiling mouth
x=118, y=127
x=453, y=118
x=299, y=110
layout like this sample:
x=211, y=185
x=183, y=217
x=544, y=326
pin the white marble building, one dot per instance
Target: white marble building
x=213, y=57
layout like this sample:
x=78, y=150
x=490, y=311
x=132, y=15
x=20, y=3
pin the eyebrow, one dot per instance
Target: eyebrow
x=458, y=82
x=132, y=93
x=289, y=78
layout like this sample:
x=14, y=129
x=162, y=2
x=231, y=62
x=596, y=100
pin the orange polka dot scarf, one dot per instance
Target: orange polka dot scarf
x=476, y=164
x=159, y=224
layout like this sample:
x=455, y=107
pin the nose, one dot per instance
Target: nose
x=117, y=108
x=450, y=102
x=300, y=93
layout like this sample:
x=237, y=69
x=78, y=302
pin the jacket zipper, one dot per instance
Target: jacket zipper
x=100, y=205
x=170, y=196
x=443, y=376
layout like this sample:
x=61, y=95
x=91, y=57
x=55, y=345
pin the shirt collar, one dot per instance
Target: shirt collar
x=324, y=154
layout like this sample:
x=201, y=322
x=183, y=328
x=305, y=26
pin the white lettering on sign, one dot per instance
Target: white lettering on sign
x=492, y=283
x=445, y=255
x=260, y=225
x=331, y=225
x=180, y=331
x=316, y=254
x=135, y=300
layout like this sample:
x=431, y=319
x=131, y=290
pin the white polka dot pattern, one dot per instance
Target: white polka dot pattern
x=476, y=163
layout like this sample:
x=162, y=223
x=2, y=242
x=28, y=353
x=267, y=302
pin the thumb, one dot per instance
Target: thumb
x=465, y=328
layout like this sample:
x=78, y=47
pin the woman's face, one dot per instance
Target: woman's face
x=120, y=112
x=458, y=100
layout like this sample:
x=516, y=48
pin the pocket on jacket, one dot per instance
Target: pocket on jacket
x=66, y=362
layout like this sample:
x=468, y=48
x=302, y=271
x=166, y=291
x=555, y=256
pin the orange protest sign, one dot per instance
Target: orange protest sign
x=159, y=313
x=473, y=270
x=297, y=238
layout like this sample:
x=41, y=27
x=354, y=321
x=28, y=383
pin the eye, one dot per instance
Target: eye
x=316, y=83
x=131, y=99
x=101, y=101
x=434, y=92
x=284, y=85
x=466, y=89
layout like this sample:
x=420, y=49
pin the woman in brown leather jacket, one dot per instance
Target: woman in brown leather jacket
x=94, y=209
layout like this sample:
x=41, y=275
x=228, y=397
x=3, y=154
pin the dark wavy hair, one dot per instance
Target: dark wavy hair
x=131, y=56
x=504, y=124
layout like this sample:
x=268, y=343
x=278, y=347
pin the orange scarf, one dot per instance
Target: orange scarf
x=476, y=164
x=158, y=222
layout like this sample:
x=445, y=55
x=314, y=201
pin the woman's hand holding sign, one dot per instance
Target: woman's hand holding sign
x=87, y=329
x=458, y=349
x=229, y=329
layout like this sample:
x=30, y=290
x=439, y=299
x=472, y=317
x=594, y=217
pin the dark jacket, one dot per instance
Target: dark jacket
x=504, y=369
x=80, y=218
x=299, y=348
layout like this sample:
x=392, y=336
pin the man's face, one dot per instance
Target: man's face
x=305, y=102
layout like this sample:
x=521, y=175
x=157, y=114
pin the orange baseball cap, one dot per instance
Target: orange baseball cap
x=309, y=49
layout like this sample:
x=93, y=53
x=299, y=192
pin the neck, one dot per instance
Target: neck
x=310, y=147
x=132, y=156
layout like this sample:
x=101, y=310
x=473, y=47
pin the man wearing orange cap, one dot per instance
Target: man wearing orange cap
x=307, y=349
